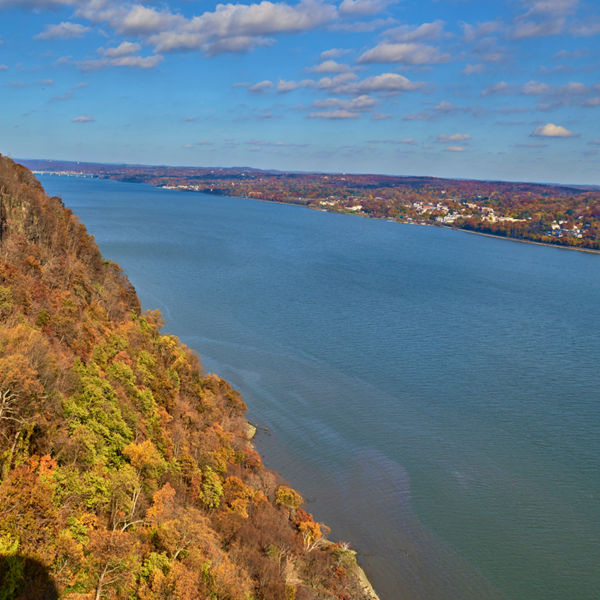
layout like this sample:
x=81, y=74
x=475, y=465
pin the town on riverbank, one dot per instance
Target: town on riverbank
x=543, y=213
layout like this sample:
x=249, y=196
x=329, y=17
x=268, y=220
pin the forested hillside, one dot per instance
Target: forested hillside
x=125, y=470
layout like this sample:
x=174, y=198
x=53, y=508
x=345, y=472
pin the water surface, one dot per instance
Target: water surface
x=433, y=394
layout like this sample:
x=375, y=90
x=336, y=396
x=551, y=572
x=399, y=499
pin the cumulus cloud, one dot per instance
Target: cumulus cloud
x=570, y=54
x=260, y=87
x=409, y=141
x=360, y=103
x=123, y=49
x=339, y=84
x=455, y=148
x=404, y=53
x=333, y=53
x=424, y=32
x=22, y=84
x=388, y=82
x=36, y=4
x=138, y=62
x=240, y=27
x=550, y=8
x=63, y=31
x=83, y=119
x=572, y=93
x=533, y=88
x=552, y=130
x=455, y=137
x=130, y=19
x=497, y=88
x=542, y=18
x=329, y=66
x=335, y=115
x=586, y=29
x=591, y=102
x=473, y=69
x=284, y=86
x=528, y=29
x=473, y=33
x=362, y=8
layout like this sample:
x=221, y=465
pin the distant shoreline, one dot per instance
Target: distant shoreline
x=491, y=235
x=523, y=241
x=307, y=205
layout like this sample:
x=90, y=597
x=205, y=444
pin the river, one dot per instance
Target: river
x=434, y=395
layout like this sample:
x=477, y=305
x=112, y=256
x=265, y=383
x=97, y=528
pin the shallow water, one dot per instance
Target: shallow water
x=433, y=394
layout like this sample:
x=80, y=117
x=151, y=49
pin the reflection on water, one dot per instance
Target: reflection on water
x=433, y=394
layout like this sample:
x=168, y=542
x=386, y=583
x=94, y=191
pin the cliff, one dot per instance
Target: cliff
x=125, y=470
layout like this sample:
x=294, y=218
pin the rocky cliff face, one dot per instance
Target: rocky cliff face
x=126, y=471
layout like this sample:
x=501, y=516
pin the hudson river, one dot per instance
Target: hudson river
x=434, y=395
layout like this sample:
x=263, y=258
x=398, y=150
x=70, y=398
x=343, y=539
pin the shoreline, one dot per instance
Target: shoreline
x=522, y=240
x=391, y=220
x=483, y=233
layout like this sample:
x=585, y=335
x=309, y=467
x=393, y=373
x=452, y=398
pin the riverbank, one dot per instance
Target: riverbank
x=523, y=241
x=306, y=204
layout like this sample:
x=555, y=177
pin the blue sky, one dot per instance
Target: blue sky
x=453, y=88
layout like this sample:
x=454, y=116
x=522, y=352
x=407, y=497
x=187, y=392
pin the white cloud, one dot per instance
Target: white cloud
x=455, y=137
x=550, y=8
x=446, y=107
x=329, y=66
x=552, y=130
x=388, y=82
x=284, y=86
x=361, y=8
x=339, y=84
x=380, y=116
x=527, y=29
x=591, y=102
x=473, y=69
x=360, y=103
x=408, y=54
x=570, y=94
x=335, y=114
x=497, y=88
x=260, y=87
x=83, y=119
x=62, y=31
x=123, y=49
x=409, y=141
x=240, y=27
x=533, y=88
x=333, y=53
x=543, y=18
x=3, y=67
x=455, y=149
x=570, y=54
x=424, y=32
x=473, y=33
x=346, y=83
x=586, y=29
x=139, y=62
x=35, y=4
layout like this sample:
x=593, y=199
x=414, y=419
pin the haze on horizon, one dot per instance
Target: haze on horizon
x=449, y=88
